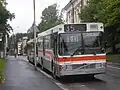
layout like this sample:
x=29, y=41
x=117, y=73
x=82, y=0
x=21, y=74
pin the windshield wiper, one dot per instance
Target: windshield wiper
x=76, y=51
x=79, y=49
x=90, y=50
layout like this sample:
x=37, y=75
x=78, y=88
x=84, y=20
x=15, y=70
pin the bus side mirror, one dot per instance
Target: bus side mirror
x=105, y=44
x=103, y=50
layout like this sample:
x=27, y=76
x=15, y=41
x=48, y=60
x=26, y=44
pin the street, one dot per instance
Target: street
x=20, y=75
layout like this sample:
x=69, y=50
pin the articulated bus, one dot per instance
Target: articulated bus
x=72, y=49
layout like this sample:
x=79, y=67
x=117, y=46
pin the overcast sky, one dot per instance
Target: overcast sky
x=23, y=10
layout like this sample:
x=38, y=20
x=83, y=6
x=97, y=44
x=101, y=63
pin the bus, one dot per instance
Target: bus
x=30, y=51
x=72, y=49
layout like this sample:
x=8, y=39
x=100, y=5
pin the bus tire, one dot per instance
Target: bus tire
x=91, y=76
x=53, y=70
x=29, y=61
x=54, y=73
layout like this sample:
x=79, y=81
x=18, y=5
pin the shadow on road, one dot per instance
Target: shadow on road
x=80, y=79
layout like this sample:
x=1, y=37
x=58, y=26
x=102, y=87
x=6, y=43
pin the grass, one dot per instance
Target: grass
x=113, y=57
x=2, y=63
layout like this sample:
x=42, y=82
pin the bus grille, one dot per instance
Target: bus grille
x=83, y=66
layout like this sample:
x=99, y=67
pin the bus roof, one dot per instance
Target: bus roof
x=60, y=28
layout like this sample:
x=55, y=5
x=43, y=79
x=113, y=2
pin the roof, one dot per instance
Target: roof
x=68, y=5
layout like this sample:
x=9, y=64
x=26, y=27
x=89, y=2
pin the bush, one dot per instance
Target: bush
x=2, y=63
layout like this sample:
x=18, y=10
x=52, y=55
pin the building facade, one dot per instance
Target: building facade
x=72, y=10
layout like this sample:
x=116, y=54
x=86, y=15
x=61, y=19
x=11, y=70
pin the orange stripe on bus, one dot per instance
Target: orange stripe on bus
x=82, y=58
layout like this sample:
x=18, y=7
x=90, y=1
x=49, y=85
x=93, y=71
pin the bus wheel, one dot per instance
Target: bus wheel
x=54, y=73
x=91, y=76
x=29, y=61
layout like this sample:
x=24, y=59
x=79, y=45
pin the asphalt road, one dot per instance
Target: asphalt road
x=108, y=81
x=21, y=75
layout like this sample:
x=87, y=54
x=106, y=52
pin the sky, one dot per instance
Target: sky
x=23, y=10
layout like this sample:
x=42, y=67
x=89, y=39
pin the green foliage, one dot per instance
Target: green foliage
x=14, y=39
x=113, y=57
x=93, y=11
x=5, y=15
x=50, y=18
x=2, y=63
x=106, y=11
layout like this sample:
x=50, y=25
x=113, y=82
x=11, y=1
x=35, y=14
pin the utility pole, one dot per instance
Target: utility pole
x=34, y=36
x=6, y=39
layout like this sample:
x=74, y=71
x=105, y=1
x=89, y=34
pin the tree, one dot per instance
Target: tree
x=5, y=27
x=108, y=12
x=14, y=39
x=50, y=18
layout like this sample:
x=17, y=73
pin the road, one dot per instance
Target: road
x=24, y=77
x=20, y=75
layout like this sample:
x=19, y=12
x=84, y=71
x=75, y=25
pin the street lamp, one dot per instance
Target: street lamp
x=34, y=36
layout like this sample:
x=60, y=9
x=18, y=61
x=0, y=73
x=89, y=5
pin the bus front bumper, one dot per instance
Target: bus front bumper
x=83, y=72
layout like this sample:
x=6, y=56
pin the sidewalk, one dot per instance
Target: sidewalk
x=22, y=57
x=20, y=75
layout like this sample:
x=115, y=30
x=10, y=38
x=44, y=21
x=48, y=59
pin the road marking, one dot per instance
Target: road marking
x=44, y=73
x=61, y=85
x=56, y=82
x=113, y=67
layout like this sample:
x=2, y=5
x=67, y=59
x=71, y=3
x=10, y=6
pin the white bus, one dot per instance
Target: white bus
x=72, y=49
x=30, y=51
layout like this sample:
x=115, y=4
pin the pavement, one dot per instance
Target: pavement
x=20, y=75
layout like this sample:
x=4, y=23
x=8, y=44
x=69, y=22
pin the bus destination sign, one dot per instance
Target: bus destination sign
x=75, y=27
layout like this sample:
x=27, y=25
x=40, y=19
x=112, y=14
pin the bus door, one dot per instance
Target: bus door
x=55, y=46
x=55, y=42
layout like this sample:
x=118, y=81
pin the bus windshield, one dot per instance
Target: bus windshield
x=92, y=42
x=69, y=42
x=84, y=43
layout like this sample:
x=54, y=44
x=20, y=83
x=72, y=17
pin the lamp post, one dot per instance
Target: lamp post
x=34, y=36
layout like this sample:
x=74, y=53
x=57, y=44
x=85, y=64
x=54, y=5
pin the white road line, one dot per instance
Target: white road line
x=57, y=83
x=49, y=76
x=113, y=67
x=44, y=73
x=61, y=85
